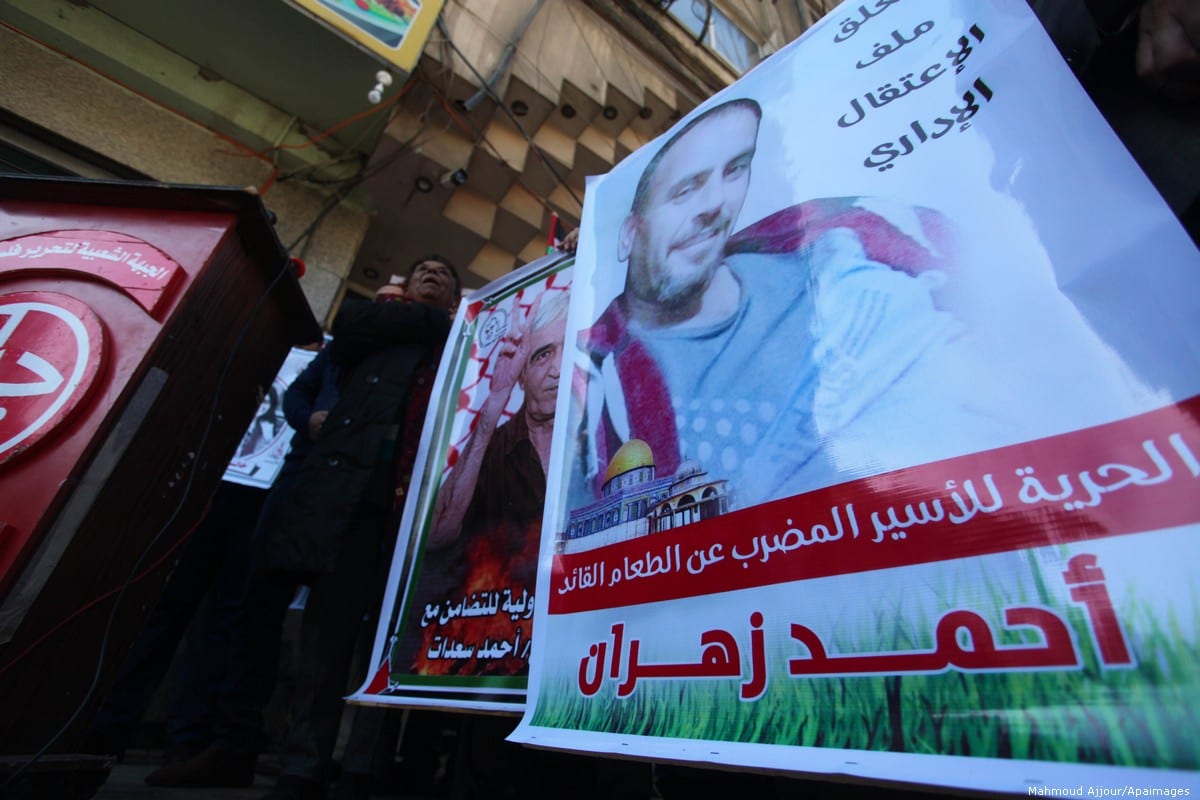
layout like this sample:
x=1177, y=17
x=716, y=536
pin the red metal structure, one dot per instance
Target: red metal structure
x=138, y=324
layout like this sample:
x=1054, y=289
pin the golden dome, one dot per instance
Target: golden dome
x=632, y=455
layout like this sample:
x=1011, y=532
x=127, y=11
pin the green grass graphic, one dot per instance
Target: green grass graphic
x=1145, y=716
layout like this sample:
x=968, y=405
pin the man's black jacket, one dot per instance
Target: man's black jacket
x=377, y=347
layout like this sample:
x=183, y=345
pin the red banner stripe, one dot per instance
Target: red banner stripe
x=1134, y=475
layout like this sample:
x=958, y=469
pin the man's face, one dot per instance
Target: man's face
x=432, y=283
x=677, y=241
x=539, y=377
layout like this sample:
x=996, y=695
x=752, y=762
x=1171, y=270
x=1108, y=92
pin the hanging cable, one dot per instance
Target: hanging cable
x=707, y=21
x=505, y=58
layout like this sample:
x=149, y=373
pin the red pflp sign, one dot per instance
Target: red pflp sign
x=51, y=348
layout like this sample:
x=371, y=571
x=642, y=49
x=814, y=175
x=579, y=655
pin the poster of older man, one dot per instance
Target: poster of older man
x=458, y=623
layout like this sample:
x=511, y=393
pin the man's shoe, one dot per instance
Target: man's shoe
x=105, y=744
x=292, y=787
x=213, y=766
x=177, y=754
x=352, y=786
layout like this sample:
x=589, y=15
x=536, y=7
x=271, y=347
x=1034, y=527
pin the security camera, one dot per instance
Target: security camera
x=383, y=79
x=458, y=177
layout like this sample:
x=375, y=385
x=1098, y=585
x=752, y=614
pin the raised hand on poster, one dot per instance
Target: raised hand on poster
x=455, y=495
x=510, y=362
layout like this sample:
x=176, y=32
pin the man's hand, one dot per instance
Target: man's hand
x=315, y=423
x=455, y=496
x=570, y=242
x=1168, y=52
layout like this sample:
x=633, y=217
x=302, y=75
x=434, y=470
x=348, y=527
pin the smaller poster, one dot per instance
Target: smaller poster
x=456, y=628
x=260, y=454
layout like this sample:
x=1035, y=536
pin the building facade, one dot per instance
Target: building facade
x=510, y=106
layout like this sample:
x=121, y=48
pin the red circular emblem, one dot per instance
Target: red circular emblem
x=51, y=347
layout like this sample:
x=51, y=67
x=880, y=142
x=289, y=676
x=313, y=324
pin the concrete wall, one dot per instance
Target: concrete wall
x=85, y=105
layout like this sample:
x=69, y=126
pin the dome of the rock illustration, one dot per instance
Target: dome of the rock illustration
x=632, y=455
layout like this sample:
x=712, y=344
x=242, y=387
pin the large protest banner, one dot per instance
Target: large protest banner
x=457, y=621
x=885, y=461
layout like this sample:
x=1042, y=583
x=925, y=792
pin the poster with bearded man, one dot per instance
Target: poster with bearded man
x=885, y=459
